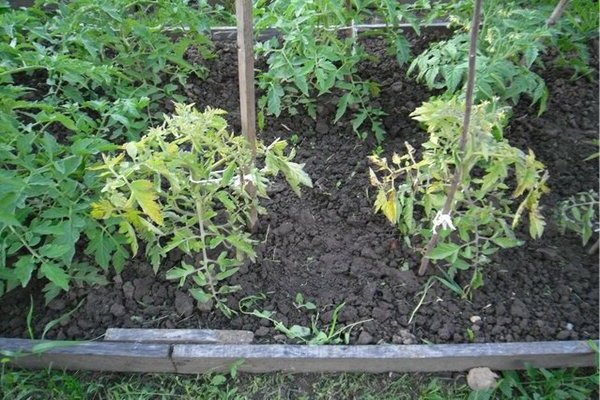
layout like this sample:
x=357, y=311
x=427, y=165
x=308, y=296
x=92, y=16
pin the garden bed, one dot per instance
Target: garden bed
x=329, y=246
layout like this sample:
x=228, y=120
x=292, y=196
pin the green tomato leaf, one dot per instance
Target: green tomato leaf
x=506, y=243
x=200, y=295
x=56, y=275
x=226, y=274
x=23, y=269
x=443, y=250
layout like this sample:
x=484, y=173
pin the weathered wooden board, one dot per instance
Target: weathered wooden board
x=199, y=358
x=92, y=356
x=381, y=358
x=171, y=336
x=230, y=32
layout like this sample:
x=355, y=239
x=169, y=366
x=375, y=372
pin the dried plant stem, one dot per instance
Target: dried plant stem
x=458, y=170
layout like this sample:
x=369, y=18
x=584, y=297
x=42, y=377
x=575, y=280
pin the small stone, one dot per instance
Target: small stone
x=117, y=310
x=475, y=319
x=184, y=305
x=364, y=338
x=569, y=326
x=481, y=379
x=280, y=338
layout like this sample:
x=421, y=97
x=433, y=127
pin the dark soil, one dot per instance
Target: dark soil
x=331, y=247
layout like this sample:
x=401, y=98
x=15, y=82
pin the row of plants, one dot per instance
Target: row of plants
x=319, y=51
x=81, y=83
x=93, y=166
x=75, y=79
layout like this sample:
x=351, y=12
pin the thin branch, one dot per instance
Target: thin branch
x=458, y=170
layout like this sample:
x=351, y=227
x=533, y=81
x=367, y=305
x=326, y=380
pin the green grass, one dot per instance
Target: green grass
x=534, y=384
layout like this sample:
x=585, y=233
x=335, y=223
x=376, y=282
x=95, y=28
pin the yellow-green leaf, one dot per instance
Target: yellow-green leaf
x=144, y=194
x=536, y=224
x=387, y=202
x=102, y=210
x=127, y=229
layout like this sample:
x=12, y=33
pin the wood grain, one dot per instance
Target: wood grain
x=200, y=358
x=171, y=336
x=382, y=358
x=92, y=356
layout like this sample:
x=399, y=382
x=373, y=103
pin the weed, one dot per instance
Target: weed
x=579, y=214
x=331, y=334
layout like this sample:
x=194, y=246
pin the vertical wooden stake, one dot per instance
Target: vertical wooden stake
x=558, y=10
x=449, y=203
x=243, y=12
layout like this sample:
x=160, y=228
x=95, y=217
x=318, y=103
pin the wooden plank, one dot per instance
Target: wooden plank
x=21, y=3
x=181, y=336
x=381, y=358
x=193, y=358
x=92, y=356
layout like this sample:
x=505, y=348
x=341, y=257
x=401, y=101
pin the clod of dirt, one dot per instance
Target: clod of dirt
x=117, y=310
x=142, y=287
x=519, y=309
x=57, y=305
x=322, y=127
x=184, y=304
x=364, y=338
x=206, y=306
x=128, y=290
x=262, y=331
x=481, y=379
x=404, y=337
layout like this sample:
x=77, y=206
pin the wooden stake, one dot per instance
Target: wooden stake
x=558, y=10
x=243, y=11
x=464, y=134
